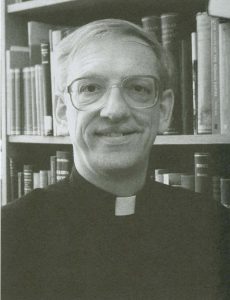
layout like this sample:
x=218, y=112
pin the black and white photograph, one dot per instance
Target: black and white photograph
x=115, y=149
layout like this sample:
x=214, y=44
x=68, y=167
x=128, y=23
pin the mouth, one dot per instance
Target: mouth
x=115, y=134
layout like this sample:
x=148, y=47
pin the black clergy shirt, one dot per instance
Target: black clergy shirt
x=65, y=242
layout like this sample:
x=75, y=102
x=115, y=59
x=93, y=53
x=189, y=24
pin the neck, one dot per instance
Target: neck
x=121, y=183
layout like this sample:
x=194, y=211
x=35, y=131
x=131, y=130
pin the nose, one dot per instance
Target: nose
x=115, y=107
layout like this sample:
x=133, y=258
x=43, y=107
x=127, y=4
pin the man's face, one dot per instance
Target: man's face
x=116, y=137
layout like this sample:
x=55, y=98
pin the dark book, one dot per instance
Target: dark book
x=63, y=164
x=194, y=80
x=28, y=178
x=216, y=194
x=171, y=43
x=13, y=179
x=186, y=86
x=202, y=173
x=152, y=25
x=219, y=8
x=224, y=71
x=28, y=122
x=46, y=82
x=204, y=108
x=225, y=191
x=215, y=82
x=37, y=32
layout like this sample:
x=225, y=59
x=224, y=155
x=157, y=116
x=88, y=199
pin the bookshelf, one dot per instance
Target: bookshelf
x=14, y=18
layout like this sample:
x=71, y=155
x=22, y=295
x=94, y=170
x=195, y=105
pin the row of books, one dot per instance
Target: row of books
x=23, y=180
x=199, y=67
x=201, y=180
x=200, y=71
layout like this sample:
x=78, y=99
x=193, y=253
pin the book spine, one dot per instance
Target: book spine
x=216, y=188
x=215, y=93
x=38, y=99
x=43, y=178
x=202, y=172
x=13, y=179
x=28, y=123
x=171, y=43
x=159, y=174
x=11, y=101
x=225, y=192
x=194, y=80
x=41, y=97
x=186, y=87
x=20, y=185
x=53, y=170
x=33, y=101
x=224, y=71
x=36, y=180
x=152, y=25
x=18, y=102
x=28, y=178
x=204, y=73
x=63, y=164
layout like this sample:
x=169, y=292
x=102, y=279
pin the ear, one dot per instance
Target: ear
x=166, y=109
x=60, y=115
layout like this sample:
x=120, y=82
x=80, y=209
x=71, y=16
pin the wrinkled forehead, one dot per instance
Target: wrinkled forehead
x=109, y=46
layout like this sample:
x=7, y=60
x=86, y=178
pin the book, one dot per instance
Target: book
x=152, y=25
x=194, y=80
x=171, y=43
x=11, y=121
x=159, y=174
x=172, y=178
x=46, y=83
x=20, y=184
x=13, y=179
x=219, y=8
x=43, y=178
x=216, y=193
x=53, y=170
x=225, y=192
x=63, y=164
x=18, y=102
x=224, y=71
x=215, y=83
x=186, y=86
x=36, y=180
x=33, y=102
x=202, y=172
x=17, y=57
x=37, y=32
x=28, y=178
x=28, y=114
x=204, y=107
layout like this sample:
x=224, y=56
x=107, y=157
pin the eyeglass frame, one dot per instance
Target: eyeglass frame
x=118, y=85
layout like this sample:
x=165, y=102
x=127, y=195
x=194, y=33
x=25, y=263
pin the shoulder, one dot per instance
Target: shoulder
x=35, y=205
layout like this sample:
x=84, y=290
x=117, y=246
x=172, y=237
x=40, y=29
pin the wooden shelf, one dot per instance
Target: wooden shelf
x=43, y=5
x=160, y=140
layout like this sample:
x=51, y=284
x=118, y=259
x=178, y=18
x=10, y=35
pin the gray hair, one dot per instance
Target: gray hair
x=69, y=46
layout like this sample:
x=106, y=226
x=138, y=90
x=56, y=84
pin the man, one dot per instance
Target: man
x=107, y=232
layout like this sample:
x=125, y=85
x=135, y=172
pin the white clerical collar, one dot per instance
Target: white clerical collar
x=125, y=206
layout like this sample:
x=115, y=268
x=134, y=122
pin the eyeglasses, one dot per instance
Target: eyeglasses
x=89, y=93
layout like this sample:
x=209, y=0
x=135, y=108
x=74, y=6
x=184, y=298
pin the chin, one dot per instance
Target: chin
x=113, y=163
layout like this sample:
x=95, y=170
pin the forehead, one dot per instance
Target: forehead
x=117, y=56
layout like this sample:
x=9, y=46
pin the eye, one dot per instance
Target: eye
x=89, y=88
